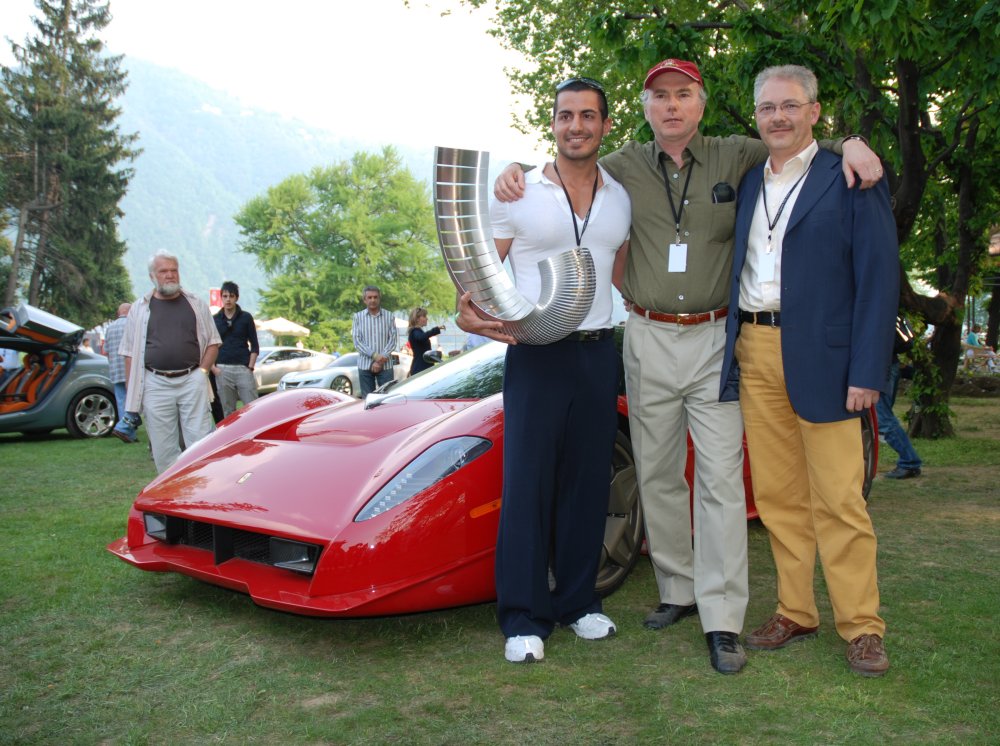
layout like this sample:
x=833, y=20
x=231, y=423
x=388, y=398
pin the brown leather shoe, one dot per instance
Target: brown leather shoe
x=866, y=655
x=777, y=632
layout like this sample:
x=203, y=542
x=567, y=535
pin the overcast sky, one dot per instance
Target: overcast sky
x=376, y=69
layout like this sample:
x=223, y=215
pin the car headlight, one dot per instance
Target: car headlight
x=430, y=467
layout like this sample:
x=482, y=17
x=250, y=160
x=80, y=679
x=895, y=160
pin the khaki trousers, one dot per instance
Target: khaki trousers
x=672, y=374
x=807, y=481
x=175, y=409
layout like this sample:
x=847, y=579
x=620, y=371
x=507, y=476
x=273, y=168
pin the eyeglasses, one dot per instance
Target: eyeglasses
x=789, y=108
x=589, y=82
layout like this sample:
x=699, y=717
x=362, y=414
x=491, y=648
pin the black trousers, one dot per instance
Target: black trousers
x=560, y=422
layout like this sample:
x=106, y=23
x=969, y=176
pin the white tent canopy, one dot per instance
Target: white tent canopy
x=282, y=327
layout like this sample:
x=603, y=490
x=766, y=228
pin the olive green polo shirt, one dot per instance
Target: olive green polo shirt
x=706, y=227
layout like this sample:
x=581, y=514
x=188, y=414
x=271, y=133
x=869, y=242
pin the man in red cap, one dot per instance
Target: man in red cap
x=676, y=278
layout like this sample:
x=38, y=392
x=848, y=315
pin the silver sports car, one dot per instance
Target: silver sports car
x=55, y=384
x=340, y=375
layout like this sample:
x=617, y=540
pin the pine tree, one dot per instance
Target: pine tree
x=64, y=163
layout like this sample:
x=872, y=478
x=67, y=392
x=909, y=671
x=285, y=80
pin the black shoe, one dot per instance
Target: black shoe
x=900, y=473
x=725, y=651
x=666, y=614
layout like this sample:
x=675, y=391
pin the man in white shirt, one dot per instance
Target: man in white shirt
x=560, y=416
x=816, y=283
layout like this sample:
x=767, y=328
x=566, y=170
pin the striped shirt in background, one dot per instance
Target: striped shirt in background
x=373, y=335
x=112, y=341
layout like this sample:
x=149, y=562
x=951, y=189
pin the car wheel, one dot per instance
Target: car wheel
x=869, y=443
x=623, y=530
x=343, y=385
x=91, y=414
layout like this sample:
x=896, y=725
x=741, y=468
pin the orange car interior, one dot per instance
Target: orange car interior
x=31, y=383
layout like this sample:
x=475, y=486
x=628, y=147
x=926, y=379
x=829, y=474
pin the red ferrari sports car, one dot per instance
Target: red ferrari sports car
x=315, y=503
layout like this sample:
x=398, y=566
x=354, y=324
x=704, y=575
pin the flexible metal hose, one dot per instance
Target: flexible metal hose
x=461, y=210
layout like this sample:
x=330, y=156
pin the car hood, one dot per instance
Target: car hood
x=309, y=476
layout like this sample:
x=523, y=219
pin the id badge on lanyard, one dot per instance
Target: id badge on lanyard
x=677, y=257
x=677, y=252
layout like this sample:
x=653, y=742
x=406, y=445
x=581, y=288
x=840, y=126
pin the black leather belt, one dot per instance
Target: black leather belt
x=170, y=373
x=589, y=335
x=761, y=318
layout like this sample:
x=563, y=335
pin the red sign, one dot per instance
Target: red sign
x=215, y=297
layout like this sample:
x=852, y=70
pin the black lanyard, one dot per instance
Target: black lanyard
x=781, y=207
x=578, y=233
x=677, y=213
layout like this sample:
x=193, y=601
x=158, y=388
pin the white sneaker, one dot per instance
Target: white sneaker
x=524, y=649
x=593, y=627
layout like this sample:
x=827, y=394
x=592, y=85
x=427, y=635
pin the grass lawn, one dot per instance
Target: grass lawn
x=95, y=651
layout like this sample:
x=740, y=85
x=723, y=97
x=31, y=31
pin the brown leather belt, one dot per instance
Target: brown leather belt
x=682, y=318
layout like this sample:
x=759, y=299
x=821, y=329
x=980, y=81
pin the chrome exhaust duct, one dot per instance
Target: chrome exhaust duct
x=461, y=210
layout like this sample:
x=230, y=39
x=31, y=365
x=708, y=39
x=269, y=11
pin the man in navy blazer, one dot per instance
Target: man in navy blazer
x=815, y=287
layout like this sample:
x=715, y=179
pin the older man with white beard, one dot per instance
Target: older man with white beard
x=170, y=344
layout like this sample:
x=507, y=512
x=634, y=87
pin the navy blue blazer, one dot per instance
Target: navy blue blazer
x=839, y=290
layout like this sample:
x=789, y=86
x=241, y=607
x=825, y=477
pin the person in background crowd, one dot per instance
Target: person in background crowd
x=373, y=330
x=10, y=360
x=170, y=344
x=125, y=428
x=420, y=340
x=974, y=348
x=908, y=464
x=234, y=366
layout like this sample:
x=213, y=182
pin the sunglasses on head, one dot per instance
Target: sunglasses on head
x=589, y=82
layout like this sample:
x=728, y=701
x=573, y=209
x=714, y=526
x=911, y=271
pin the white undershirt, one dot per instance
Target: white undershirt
x=755, y=294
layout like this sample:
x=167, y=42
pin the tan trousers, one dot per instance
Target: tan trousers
x=672, y=375
x=807, y=481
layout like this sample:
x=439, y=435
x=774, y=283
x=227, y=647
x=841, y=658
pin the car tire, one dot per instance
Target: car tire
x=91, y=414
x=623, y=530
x=343, y=385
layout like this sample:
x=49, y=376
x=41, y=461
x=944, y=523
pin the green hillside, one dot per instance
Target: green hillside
x=204, y=155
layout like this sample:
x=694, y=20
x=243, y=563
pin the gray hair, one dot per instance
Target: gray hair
x=702, y=94
x=370, y=288
x=795, y=73
x=161, y=254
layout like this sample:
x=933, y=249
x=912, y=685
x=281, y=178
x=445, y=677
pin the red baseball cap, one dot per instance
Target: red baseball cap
x=678, y=66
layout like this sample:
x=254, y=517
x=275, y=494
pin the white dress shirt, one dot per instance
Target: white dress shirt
x=756, y=293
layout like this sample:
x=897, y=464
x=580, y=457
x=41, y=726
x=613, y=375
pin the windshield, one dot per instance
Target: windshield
x=472, y=375
x=350, y=360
